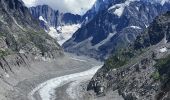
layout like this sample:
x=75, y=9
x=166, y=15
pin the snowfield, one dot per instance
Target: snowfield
x=42, y=19
x=46, y=90
x=63, y=33
x=118, y=9
x=162, y=50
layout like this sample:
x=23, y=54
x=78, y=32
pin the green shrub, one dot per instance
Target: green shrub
x=156, y=75
x=119, y=59
x=4, y=53
x=1, y=34
x=163, y=62
x=163, y=68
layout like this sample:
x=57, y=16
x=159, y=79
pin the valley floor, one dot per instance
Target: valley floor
x=65, y=78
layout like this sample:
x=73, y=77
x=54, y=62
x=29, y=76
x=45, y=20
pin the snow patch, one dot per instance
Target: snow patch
x=22, y=51
x=146, y=25
x=67, y=32
x=136, y=27
x=7, y=75
x=162, y=50
x=162, y=2
x=137, y=8
x=42, y=19
x=53, y=32
x=118, y=9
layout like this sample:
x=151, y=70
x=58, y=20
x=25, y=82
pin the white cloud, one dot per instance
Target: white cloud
x=73, y=6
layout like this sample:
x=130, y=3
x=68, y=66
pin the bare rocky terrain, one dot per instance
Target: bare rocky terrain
x=83, y=94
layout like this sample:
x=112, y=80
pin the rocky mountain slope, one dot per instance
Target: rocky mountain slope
x=99, y=6
x=141, y=70
x=21, y=37
x=22, y=44
x=60, y=26
x=114, y=27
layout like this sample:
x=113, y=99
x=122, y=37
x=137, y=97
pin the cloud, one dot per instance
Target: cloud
x=73, y=6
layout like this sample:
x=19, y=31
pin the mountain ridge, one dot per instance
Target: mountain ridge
x=111, y=32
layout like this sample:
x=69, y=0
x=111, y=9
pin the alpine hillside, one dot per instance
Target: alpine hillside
x=141, y=70
x=22, y=42
x=21, y=33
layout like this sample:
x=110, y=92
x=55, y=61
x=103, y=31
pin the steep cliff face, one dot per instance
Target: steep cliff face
x=54, y=17
x=99, y=6
x=21, y=38
x=114, y=27
x=139, y=72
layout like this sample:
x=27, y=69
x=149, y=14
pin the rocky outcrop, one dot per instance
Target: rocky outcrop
x=139, y=72
x=115, y=26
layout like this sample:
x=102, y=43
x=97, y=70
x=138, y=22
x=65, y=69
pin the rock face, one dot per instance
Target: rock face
x=114, y=26
x=96, y=8
x=139, y=72
x=54, y=18
x=21, y=38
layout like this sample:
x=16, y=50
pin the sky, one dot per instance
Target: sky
x=72, y=6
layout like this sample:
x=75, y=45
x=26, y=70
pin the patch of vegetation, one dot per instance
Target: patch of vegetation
x=156, y=76
x=164, y=62
x=163, y=68
x=4, y=53
x=2, y=34
x=40, y=39
x=119, y=59
x=115, y=62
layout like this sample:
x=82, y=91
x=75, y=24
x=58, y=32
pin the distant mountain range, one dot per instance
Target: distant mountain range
x=54, y=17
x=115, y=24
x=60, y=26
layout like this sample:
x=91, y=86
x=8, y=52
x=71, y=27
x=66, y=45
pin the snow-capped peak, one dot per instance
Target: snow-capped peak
x=164, y=1
x=119, y=8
